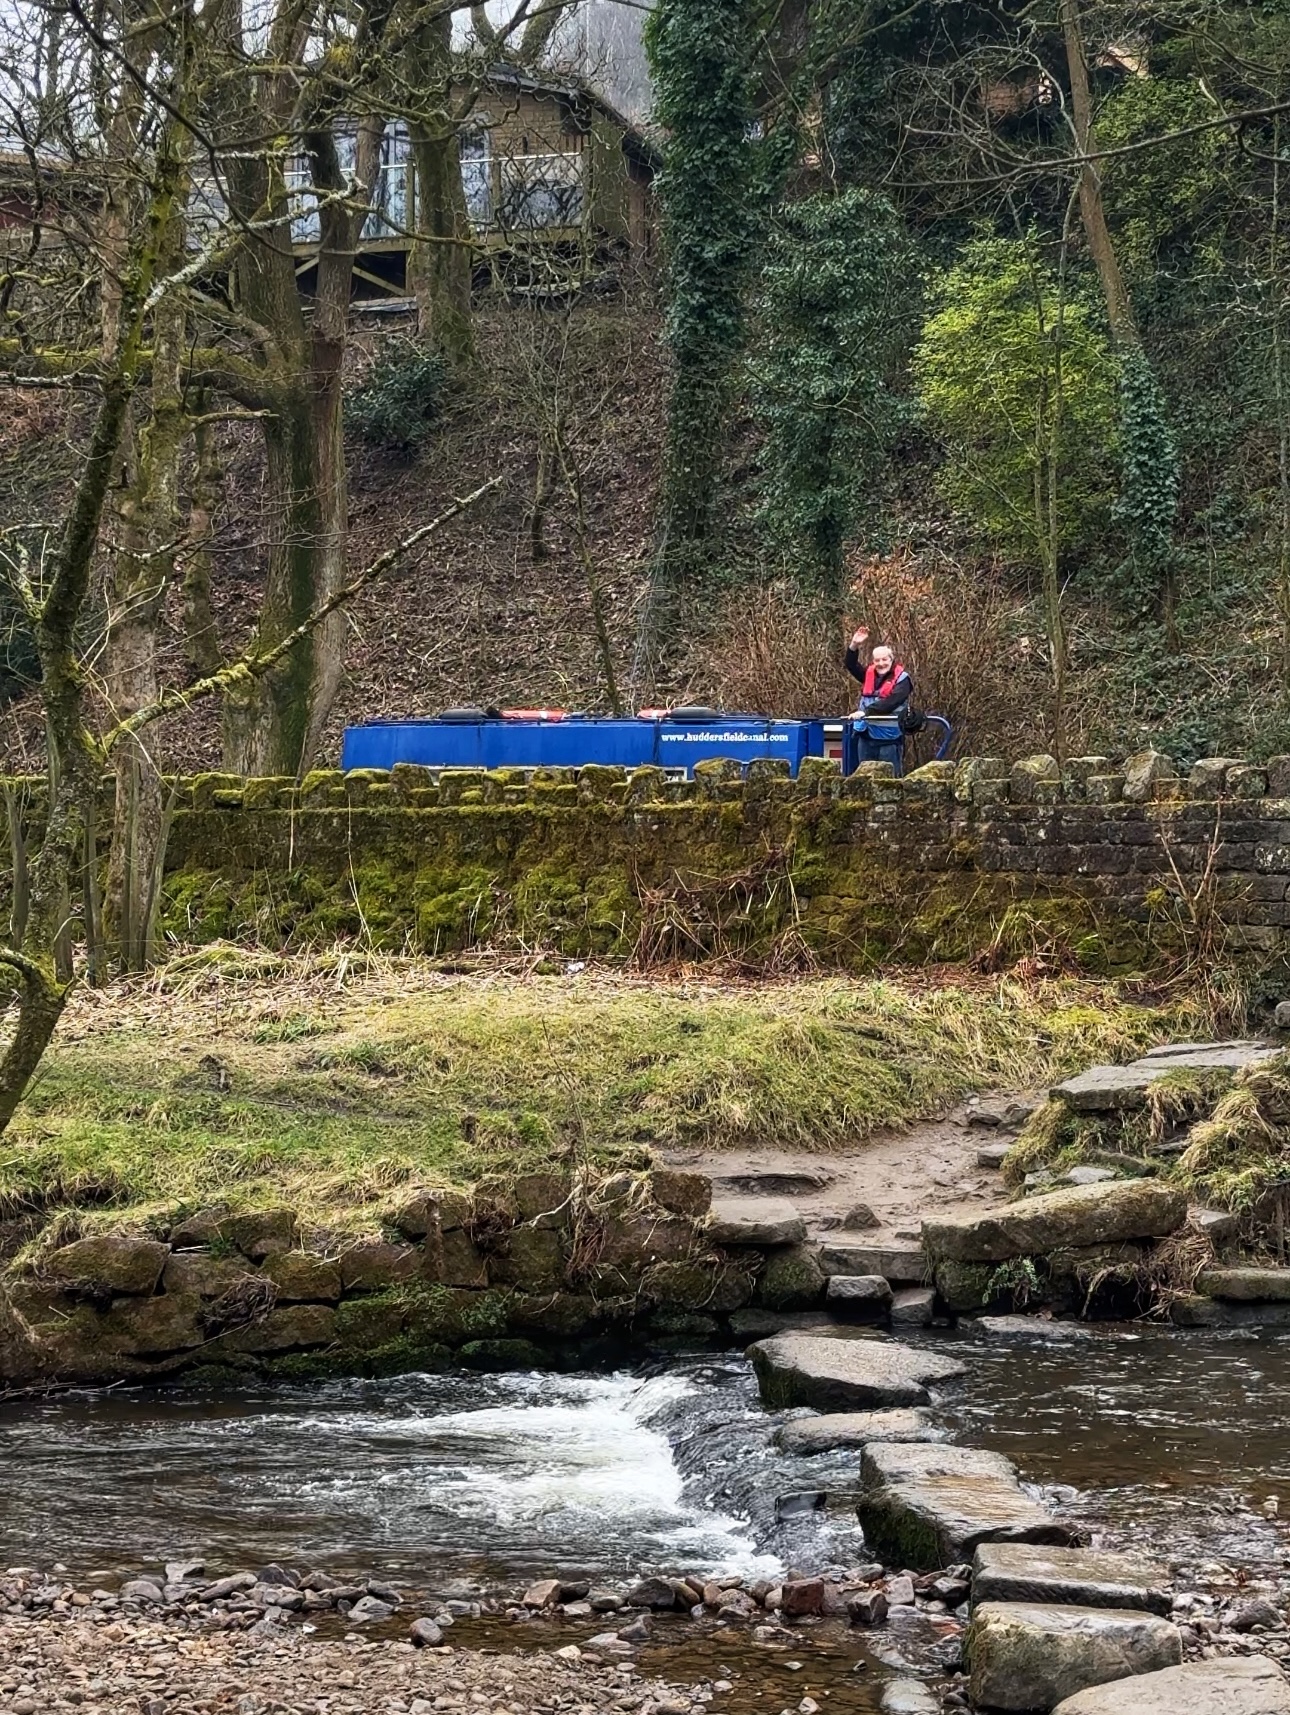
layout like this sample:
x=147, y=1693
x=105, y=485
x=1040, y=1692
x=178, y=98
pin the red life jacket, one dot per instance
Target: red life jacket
x=888, y=683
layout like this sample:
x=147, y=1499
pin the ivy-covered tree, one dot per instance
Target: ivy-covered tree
x=835, y=311
x=701, y=55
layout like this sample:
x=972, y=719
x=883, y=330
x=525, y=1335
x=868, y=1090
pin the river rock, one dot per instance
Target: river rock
x=1235, y=1685
x=913, y=1307
x=113, y=1263
x=1079, y=1577
x=1246, y=1285
x=902, y=1265
x=854, y=1429
x=1031, y=1655
x=859, y=1296
x=425, y=1634
x=542, y=1595
x=365, y=1610
x=652, y=1593
x=908, y=1697
x=1080, y=1216
x=755, y=1221
x=928, y=1506
x=842, y=1375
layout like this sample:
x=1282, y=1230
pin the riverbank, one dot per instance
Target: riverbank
x=334, y=1083
x=159, y=1669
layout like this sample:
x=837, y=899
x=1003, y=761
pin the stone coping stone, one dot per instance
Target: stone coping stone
x=1231, y=1685
x=1025, y=1656
x=846, y=1375
x=754, y=1221
x=900, y=1264
x=1070, y=1219
x=928, y=1506
x=1076, y=1577
x=1246, y=1285
x=1104, y=1089
x=821, y=1434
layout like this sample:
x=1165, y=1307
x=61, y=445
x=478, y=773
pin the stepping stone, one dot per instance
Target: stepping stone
x=1197, y=1311
x=1060, y=1220
x=1233, y=1685
x=927, y=1506
x=854, y=1429
x=758, y=1324
x=1033, y=1328
x=859, y=1296
x=1076, y=1577
x=902, y=1265
x=846, y=1375
x=755, y=1221
x=1106, y=1089
x=1031, y=1655
x=1246, y=1285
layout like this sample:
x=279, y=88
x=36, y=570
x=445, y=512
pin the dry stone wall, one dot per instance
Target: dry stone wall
x=1109, y=863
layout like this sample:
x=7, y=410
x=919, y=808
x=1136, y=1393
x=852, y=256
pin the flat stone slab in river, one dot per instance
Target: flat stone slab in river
x=901, y=1264
x=1104, y=1089
x=1077, y=1577
x=1073, y=1218
x=846, y=1375
x=755, y=1221
x=930, y=1506
x=1246, y=1285
x=855, y=1429
x=1031, y=1655
x=1236, y=1685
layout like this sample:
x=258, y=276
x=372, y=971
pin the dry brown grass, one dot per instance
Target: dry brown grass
x=775, y=653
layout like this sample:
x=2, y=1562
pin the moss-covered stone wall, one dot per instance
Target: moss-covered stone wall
x=1111, y=865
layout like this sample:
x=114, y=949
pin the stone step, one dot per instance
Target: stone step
x=1075, y=1577
x=1025, y=1656
x=1106, y=1089
x=1070, y=1219
x=846, y=1375
x=901, y=1264
x=931, y=1506
x=859, y=1297
x=1197, y=1311
x=821, y=1434
x=1245, y=1285
x=754, y=1221
x=1032, y=1328
x=1235, y=1685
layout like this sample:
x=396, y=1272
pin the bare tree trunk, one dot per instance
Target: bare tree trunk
x=1119, y=308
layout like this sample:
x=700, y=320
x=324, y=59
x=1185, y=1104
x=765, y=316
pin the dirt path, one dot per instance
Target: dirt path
x=901, y=1176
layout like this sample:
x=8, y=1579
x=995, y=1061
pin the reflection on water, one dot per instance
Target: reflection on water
x=501, y=1476
x=1171, y=1438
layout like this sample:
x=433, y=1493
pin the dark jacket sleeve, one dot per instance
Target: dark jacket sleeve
x=896, y=697
x=853, y=664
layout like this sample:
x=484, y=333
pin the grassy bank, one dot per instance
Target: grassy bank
x=333, y=1082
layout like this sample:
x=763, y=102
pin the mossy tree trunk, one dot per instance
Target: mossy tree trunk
x=75, y=761
x=440, y=260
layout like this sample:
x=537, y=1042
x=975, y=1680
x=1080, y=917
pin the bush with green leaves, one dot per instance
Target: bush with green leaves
x=1016, y=376
x=836, y=307
x=399, y=400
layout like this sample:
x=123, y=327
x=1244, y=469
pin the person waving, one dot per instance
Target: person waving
x=885, y=689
